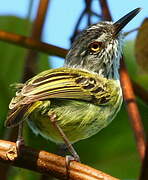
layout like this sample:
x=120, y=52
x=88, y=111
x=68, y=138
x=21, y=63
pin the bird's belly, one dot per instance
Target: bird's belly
x=78, y=119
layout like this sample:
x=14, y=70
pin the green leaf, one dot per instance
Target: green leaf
x=43, y=62
x=12, y=61
x=11, y=71
x=141, y=47
x=129, y=53
x=132, y=65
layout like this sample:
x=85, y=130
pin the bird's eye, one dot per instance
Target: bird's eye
x=95, y=46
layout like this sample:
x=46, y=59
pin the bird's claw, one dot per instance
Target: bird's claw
x=68, y=161
x=19, y=144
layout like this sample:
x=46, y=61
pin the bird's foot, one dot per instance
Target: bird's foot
x=68, y=160
x=20, y=141
x=19, y=144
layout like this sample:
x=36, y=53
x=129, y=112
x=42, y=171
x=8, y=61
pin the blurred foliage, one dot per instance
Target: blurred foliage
x=132, y=66
x=142, y=47
x=113, y=150
x=11, y=71
x=12, y=61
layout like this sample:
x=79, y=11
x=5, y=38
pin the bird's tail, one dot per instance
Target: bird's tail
x=16, y=115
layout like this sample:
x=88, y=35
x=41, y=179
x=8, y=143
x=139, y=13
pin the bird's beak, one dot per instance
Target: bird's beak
x=119, y=25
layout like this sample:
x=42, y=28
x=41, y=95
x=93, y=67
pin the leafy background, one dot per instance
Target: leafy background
x=113, y=150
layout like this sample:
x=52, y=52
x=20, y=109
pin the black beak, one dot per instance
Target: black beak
x=119, y=25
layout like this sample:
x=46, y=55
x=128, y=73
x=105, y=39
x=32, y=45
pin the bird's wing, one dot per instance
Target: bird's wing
x=62, y=83
x=65, y=83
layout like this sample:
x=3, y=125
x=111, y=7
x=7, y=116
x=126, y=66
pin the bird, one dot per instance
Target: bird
x=75, y=101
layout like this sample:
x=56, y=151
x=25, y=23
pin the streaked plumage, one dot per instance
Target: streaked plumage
x=85, y=95
x=84, y=103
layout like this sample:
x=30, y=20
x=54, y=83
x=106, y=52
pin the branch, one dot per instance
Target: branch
x=131, y=31
x=129, y=96
x=106, y=15
x=40, y=19
x=32, y=56
x=144, y=169
x=48, y=163
x=132, y=110
x=31, y=43
x=88, y=4
x=87, y=11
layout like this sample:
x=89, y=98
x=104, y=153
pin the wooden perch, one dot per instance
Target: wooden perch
x=48, y=163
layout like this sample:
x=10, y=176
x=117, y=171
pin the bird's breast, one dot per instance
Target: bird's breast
x=78, y=119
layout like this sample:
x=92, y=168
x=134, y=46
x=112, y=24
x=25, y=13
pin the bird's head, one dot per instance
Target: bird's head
x=98, y=48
